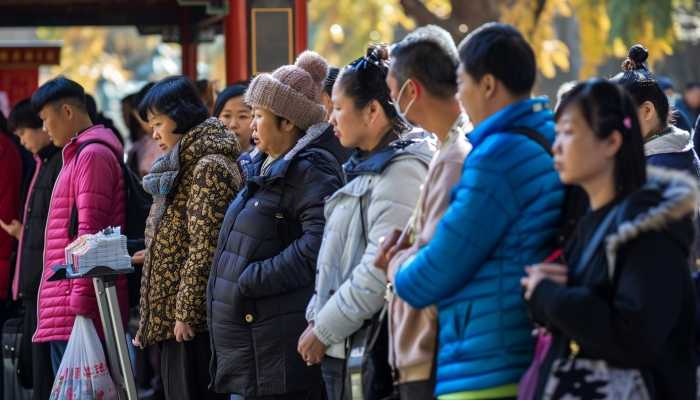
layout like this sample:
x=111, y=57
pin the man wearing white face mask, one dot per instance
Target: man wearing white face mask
x=428, y=92
x=416, y=132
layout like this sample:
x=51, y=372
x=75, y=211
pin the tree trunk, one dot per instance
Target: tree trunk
x=472, y=13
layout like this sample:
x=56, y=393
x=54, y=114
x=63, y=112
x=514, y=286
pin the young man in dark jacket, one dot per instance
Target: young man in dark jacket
x=26, y=124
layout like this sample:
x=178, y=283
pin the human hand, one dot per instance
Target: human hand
x=137, y=342
x=535, y=274
x=183, y=332
x=139, y=257
x=310, y=348
x=308, y=329
x=13, y=229
x=388, y=247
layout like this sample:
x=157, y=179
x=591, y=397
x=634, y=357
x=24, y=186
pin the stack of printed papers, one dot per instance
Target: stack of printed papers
x=105, y=248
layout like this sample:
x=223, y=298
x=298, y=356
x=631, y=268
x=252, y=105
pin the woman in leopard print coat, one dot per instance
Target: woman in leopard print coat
x=192, y=185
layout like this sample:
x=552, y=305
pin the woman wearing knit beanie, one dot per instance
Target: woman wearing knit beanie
x=385, y=175
x=264, y=268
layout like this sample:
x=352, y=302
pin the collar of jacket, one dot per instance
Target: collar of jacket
x=679, y=196
x=377, y=161
x=209, y=137
x=530, y=113
x=279, y=167
x=457, y=129
x=47, y=152
x=670, y=140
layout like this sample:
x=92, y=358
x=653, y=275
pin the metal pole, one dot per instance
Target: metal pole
x=115, y=338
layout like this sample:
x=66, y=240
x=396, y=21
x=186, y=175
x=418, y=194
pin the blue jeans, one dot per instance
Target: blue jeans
x=335, y=378
x=58, y=348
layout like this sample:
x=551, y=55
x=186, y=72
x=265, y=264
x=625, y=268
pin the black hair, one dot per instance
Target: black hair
x=176, y=97
x=206, y=92
x=364, y=80
x=91, y=107
x=429, y=56
x=236, y=90
x=202, y=86
x=502, y=51
x=692, y=85
x=99, y=118
x=24, y=116
x=59, y=89
x=330, y=80
x=3, y=125
x=642, y=84
x=141, y=94
x=132, y=123
x=607, y=107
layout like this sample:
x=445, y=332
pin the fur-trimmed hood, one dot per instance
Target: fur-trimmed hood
x=676, y=197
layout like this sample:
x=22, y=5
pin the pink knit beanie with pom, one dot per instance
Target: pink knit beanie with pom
x=292, y=92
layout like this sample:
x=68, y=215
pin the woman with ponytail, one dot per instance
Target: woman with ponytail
x=664, y=144
x=384, y=177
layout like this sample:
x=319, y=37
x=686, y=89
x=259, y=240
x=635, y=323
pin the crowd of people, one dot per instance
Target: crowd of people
x=417, y=209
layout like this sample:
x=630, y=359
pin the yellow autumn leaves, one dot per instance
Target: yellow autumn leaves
x=341, y=29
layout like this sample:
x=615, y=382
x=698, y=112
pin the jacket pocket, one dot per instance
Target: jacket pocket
x=459, y=317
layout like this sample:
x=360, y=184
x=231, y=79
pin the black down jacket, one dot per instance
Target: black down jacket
x=264, y=268
x=31, y=255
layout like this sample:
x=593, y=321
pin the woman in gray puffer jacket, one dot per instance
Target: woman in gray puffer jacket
x=384, y=178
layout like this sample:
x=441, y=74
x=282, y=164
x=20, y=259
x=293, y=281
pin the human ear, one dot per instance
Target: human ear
x=67, y=110
x=488, y=84
x=287, y=126
x=613, y=143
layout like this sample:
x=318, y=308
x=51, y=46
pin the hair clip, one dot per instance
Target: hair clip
x=627, y=122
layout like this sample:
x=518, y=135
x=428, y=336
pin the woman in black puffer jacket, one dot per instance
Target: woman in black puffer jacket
x=626, y=300
x=265, y=265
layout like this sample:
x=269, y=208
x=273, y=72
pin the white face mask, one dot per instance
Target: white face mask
x=397, y=105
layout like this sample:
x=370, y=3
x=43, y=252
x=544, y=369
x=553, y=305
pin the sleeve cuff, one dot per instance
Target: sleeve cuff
x=331, y=325
x=324, y=335
x=543, y=297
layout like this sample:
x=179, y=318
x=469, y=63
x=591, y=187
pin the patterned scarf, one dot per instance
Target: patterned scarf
x=159, y=183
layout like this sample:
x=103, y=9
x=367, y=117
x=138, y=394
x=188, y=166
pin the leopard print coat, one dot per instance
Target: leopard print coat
x=180, y=248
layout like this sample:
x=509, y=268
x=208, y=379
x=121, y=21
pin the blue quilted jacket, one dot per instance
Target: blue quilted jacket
x=503, y=216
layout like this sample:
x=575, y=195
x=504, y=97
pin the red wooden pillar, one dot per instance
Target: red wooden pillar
x=188, y=46
x=301, y=26
x=236, y=42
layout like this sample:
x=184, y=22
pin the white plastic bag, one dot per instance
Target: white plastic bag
x=83, y=374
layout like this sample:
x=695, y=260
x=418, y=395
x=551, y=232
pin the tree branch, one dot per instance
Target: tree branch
x=419, y=12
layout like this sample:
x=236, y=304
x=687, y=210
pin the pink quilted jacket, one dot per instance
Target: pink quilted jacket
x=95, y=183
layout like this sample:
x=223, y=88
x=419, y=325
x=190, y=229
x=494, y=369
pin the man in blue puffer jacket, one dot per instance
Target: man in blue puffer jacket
x=504, y=215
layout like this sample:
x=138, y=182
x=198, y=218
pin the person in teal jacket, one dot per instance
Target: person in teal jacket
x=504, y=215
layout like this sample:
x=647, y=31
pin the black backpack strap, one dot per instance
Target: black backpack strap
x=73, y=224
x=598, y=237
x=533, y=135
